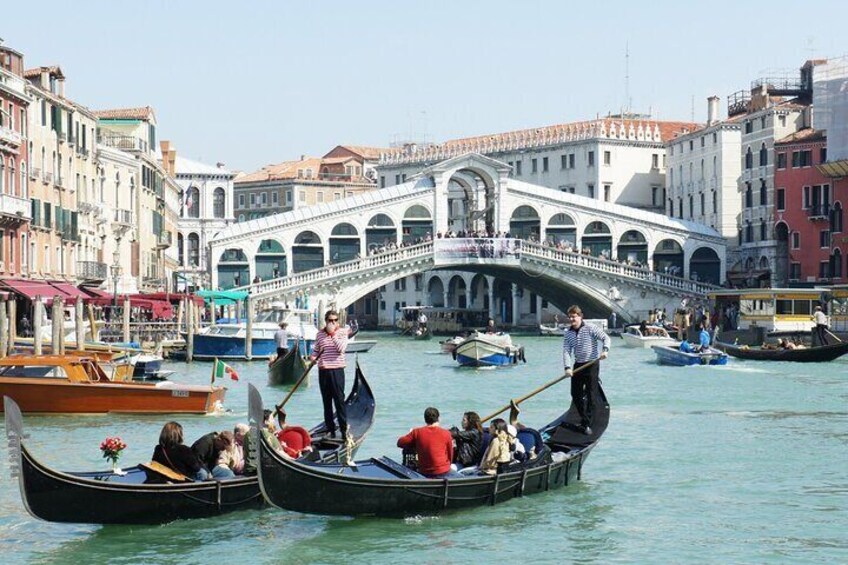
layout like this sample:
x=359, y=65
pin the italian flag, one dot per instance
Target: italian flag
x=220, y=369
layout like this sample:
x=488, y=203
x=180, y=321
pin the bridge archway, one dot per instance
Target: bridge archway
x=233, y=269
x=633, y=247
x=307, y=252
x=344, y=243
x=525, y=223
x=417, y=223
x=381, y=231
x=271, y=260
x=705, y=266
x=668, y=257
x=503, y=300
x=597, y=238
x=436, y=291
x=479, y=291
x=561, y=229
x=457, y=293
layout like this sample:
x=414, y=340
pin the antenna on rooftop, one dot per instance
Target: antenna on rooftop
x=693, y=109
x=627, y=99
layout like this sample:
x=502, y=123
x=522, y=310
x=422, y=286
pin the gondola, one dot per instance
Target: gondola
x=806, y=355
x=102, y=497
x=287, y=369
x=381, y=486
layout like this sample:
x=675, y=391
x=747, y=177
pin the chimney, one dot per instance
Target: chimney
x=60, y=86
x=220, y=165
x=303, y=157
x=759, y=98
x=45, y=79
x=712, y=110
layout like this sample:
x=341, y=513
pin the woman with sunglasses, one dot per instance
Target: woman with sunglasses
x=329, y=352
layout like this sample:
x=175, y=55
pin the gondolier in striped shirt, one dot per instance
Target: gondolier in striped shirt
x=329, y=351
x=580, y=347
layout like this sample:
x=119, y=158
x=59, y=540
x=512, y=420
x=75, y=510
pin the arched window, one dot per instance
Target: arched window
x=749, y=159
x=836, y=218
x=749, y=231
x=763, y=193
x=836, y=264
x=218, y=202
x=691, y=206
x=193, y=202
x=2, y=174
x=749, y=195
x=763, y=155
x=180, y=249
x=762, y=230
x=193, y=250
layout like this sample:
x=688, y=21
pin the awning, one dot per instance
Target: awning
x=95, y=292
x=171, y=297
x=159, y=309
x=32, y=288
x=223, y=297
x=69, y=290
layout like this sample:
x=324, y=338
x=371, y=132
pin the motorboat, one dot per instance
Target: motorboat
x=646, y=337
x=672, y=355
x=488, y=350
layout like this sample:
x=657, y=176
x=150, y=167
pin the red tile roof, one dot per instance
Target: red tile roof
x=144, y=113
x=806, y=135
x=371, y=153
x=36, y=72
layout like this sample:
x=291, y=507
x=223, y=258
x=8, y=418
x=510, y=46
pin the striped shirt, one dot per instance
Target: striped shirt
x=330, y=349
x=581, y=345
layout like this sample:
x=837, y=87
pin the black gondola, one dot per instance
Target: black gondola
x=287, y=369
x=384, y=487
x=805, y=355
x=106, y=498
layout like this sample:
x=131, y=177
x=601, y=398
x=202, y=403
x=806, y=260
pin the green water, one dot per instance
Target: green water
x=746, y=463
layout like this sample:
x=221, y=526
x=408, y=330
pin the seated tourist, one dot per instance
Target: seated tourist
x=268, y=431
x=786, y=344
x=498, y=455
x=433, y=445
x=519, y=453
x=294, y=440
x=230, y=459
x=208, y=448
x=239, y=433
x=469, y=441
x=686, y=347
x=173, y=453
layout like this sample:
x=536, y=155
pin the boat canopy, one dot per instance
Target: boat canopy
x=223, y=297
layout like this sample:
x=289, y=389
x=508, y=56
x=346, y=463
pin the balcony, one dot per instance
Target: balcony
x=122, y=218
x=124, y=142
x=35, y=173
x=819, y=212
x=10, y=136
x=14, y=210
x=47, y=178
x=92, y=270
x=60, y=136
x=164, y=239
x=72, y=140
x=60, y=182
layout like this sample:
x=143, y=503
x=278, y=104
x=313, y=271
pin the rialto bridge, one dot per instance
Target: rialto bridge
x=565, y=248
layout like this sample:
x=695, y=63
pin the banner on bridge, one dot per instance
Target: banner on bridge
x=451, y=251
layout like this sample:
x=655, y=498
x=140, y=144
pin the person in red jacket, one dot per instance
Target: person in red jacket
x=295, y=440
x=433, y=445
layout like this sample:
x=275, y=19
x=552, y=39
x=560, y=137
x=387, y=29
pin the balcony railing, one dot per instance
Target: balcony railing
x=10, y=136
x=819, y=212
x=12, y=206
x=92, y=270
x=123, y=217
x=125, y=142
x=47, y=178
x=35, y=173
x=164, y=239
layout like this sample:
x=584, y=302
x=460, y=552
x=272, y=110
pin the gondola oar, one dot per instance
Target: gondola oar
x=538, y=390
x=832, y=335
x=296, y=385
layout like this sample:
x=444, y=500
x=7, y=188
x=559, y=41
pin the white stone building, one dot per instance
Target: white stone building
x=206, y=207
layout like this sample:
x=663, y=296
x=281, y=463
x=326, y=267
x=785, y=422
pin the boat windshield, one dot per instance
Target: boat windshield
x=224, y=330
x=34, y=371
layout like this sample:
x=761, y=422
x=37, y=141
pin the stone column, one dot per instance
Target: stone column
x=248, y=334
x=126, y=323
x=13, y=323
x=189, y=306
x=515, y=305
x=440, y=204
x=4, y=328
x=58, y=327
x=492, y=310
x=80, y=325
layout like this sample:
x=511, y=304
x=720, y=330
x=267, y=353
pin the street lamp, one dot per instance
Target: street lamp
x=115, y=270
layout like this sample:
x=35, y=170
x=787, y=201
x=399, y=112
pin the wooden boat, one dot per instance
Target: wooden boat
x=420, y=333
x=73, y=384
x=488, y=350
x=360, y=345
x=384, y=487
x=806, y=355
x=633, y=337
x=449, y=345
x=288, y=369
x=102, y=497
x=671, y=355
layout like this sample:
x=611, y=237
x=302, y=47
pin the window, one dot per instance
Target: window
x=823, y=155
x=763, y=193
x=749, y=159
x=319, y=197
x=782, y=121
x=836, y=218
x=703, y=140
x=397, y=179
x=781, y=160
x=795, y=271
x=763, y=122
x=749, y=232
x=781, y=199
x=654, y=192
x=400, y=284
x=591, y=158
x=763, y=155
x=749, y=195
x=762, y=230
x=703, y=210
x=252, y=200
x=571, y=160
x=824, y=238
x=670, y=208
x=534, y=165
x=403, y=177
x=606, y=193
x=749, y=126
x=802, y=158
x=382, y=181
x=796, y=240
x=218, y=203
x=590, y=188
x=275, y=198
x=563, y=161
x=288, y=197
x=824, y=270
x=691, y=206
x=518, y=168
x=655, y=161
x=680, y=207
x=607, y=158
x=715, y=202
x=715, y=137
x=691, y=145
x=544, y=164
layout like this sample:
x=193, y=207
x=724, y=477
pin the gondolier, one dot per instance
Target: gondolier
x=329, y=353
x=580, y=347
x=281, y=338
x=820, y=319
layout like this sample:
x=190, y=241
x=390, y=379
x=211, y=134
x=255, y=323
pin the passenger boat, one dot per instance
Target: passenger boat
x=671, y=355
x=381, y=486
x=488, y=350
x=103, y=497
x=226, y=341
x=633, y=337
x=289, y=368
x=74, y=384
x=441, y=321
x=802, y=355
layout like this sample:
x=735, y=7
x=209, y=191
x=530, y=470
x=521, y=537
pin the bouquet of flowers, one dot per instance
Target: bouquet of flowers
x=112, y=448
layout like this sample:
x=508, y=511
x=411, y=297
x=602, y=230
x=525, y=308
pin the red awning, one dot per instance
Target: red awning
x=68, y=289
x=32, y=288
x=171, y=297
x=91, y=291
x=159, y=309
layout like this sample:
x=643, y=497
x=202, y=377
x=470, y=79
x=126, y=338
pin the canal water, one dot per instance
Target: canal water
x=746, y=463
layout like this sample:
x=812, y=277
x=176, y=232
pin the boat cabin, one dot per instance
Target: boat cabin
x=446, y=321
x=774, y=309
x=74, y=368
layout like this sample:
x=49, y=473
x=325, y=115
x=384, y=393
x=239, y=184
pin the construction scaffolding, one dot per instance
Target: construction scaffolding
x=830, y=105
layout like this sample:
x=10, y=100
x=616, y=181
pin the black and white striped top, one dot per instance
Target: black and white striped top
x=581, y=345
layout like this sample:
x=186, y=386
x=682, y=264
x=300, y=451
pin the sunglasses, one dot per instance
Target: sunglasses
x=332, y=319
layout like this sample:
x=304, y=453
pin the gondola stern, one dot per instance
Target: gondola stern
x=15, y=437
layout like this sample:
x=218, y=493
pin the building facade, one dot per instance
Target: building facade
x=15, y=209
x=206, y=207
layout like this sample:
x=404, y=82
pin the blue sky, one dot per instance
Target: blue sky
x=253, y=83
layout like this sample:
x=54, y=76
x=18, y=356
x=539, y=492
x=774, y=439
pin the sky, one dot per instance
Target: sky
x=254, y=83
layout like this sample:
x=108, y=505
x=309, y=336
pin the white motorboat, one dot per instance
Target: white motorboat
x=487, y=350
x=633, y=336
